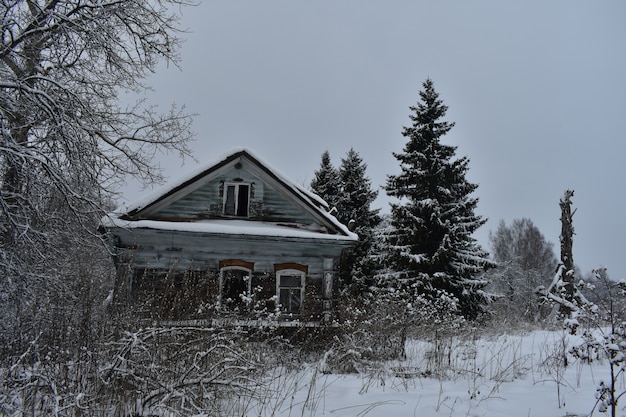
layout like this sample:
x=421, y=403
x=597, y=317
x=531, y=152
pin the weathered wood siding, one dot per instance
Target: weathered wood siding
x=266, y=204
x=162, y=249
x=174, y=275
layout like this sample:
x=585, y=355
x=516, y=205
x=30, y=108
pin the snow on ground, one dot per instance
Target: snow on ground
x=500, y=376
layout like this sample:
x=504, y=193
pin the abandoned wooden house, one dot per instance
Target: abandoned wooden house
x=234, y=241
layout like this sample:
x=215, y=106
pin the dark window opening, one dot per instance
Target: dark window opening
x=236, y=200
x=235, y=287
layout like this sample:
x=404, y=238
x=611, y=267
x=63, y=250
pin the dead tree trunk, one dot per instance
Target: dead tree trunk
x=563, y=291
x=567, y=240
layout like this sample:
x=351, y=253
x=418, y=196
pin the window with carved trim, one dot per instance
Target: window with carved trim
x=236, y=199
x=290, y=290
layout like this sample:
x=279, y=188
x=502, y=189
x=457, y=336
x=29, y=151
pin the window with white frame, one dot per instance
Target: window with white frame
x=234, y=287
x=290, y=290
x=236, y=199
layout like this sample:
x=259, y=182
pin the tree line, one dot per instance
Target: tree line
x=424, y=253
x=425, y=246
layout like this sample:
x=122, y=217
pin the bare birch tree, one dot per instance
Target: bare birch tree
x=526, y=261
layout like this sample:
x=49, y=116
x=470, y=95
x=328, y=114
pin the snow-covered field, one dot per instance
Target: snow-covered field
x=505, y=375
x=473, y=373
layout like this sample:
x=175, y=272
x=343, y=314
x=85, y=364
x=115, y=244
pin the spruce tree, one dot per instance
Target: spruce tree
x=326, y=181
x=431, y=248
x=354, y=209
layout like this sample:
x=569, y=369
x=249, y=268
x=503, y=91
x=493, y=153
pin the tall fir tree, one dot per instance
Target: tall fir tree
x=354, y=209
x=431, y=248
x=326, y=181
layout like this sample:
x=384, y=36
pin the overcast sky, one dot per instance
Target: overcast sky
x=536, y=89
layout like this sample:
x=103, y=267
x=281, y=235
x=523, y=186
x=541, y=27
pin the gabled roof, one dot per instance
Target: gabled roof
x=138, y=212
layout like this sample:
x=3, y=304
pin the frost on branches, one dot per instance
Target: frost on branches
x=66, y=143
x=525, y=262
x=604, y=337
x=63, y=66
x=604, y=328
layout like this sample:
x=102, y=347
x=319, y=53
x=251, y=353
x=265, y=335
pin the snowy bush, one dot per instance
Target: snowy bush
x=182, y=370
x=605, y=338
x=377, y=324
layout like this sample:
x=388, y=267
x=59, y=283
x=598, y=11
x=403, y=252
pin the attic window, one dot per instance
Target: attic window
x=236, y=199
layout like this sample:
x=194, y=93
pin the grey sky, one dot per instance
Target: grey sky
x=536, y=90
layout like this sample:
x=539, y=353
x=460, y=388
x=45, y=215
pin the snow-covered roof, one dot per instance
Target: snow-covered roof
x=131, y=218
x=229, y=227
x=158, y=193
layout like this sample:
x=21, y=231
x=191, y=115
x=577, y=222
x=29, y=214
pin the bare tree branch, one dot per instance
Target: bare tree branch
x=66, y=141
